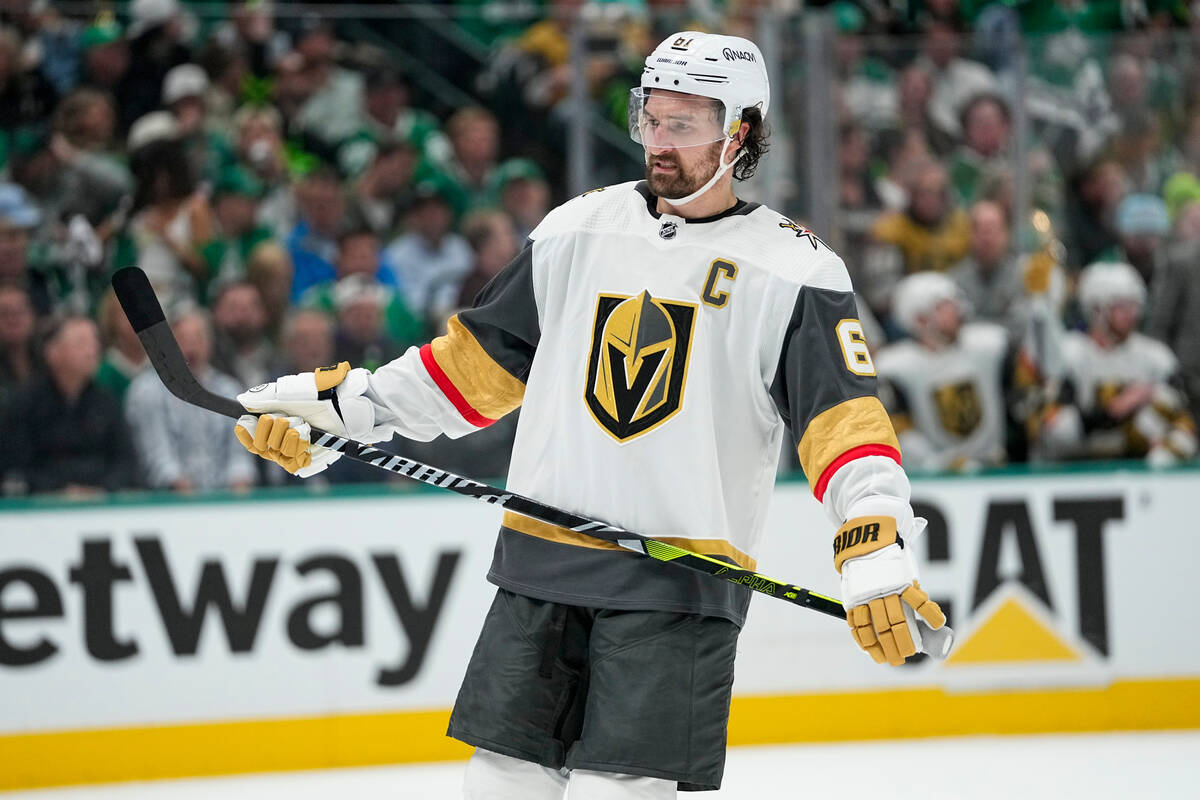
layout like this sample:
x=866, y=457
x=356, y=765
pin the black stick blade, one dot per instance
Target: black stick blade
x=137, y=298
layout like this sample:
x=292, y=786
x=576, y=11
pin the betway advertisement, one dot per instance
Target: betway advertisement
x=187, y=612
x=342, y=617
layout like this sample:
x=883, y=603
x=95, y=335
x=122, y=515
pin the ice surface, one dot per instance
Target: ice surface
x=1096, y=766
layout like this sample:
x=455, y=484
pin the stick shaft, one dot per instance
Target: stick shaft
x=141, y=306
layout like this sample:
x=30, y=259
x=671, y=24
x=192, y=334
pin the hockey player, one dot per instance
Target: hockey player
x=661, y=336
x=945, y=386
x=1120, y=396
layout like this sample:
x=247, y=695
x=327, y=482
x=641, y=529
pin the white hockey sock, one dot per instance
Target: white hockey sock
x=589, y=785
x=491, y=776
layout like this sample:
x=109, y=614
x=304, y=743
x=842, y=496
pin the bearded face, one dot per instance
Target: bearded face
x=679, y=172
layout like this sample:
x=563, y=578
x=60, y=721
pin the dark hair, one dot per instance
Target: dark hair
x=982, y=98
x=161, y=171
x=355, y=232
x=383, y=76
x=323, y=172
x=480, y=227
x=49, y=329
x=754, y=146
x=218, y=292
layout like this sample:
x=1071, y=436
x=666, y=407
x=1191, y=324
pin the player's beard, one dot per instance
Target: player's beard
x=683, y=181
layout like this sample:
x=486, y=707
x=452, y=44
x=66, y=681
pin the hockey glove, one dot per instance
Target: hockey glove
x=879, y=588
x=329, y=398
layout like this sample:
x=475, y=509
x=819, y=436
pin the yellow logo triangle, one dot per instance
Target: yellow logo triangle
x=1012, y=633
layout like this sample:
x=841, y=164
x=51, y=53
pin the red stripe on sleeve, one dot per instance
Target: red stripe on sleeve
x=451, y=391
x=848, y=456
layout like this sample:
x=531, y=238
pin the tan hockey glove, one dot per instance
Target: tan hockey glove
x=329, y=398
x=880, y=590
x=284, y=440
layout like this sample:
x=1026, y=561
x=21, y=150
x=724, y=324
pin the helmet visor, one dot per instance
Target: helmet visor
x=665, y=119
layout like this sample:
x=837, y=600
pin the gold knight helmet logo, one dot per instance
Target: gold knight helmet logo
x=959, y=407
x=638, y=363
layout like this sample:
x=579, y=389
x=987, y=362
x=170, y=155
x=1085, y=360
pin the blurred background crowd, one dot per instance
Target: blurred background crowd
x=1014, y=186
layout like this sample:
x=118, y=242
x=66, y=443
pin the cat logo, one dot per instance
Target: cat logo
x=958, y=407
x=638, y=363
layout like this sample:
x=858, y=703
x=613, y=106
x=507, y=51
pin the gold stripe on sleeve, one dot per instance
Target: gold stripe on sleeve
x=488, y=387
x=836, y=430
x=553, y=533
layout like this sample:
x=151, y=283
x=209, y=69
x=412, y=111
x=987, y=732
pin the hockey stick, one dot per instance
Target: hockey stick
x=146, y=316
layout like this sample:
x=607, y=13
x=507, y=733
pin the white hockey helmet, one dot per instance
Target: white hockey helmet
x=919, y=294
x=729, y=69
x=1105, y=282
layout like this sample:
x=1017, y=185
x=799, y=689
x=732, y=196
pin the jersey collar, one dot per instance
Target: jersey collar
x=739, y=209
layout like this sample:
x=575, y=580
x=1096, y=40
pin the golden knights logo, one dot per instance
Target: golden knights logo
x=638, y=362
x=959, y=407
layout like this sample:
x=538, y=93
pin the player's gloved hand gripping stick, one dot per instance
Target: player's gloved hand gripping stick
x=287, y=444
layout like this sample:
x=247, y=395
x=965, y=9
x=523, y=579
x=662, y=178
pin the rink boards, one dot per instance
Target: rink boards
x=148, y=639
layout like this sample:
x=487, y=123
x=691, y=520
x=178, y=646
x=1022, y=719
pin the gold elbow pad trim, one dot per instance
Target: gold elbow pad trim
x=858, y=422
x=484, y=384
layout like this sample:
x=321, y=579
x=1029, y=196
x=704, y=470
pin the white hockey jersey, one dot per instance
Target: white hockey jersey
x=948, y=405
x=659, y=362
x=1095, y=375
x=1098, y=373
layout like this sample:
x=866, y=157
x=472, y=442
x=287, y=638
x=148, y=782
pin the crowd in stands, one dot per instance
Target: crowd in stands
x=295, y=205
x=1017, y=204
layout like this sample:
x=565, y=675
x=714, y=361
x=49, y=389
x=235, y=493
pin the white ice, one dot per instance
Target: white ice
x=1096, y=766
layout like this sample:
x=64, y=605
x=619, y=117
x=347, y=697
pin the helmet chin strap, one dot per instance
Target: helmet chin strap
x=721, y=170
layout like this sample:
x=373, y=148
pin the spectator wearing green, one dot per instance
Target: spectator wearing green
x=430, y=260
x=104, y=61
x=475, y=137
x=261, y=150
x=385, y=188
x=359, y=259
x=235, y=206
x=171, y=220
x=333, y=106
x=26, y=96
x=209, y=150
x=1056, y=16
x=866, y=83
x=982, y=166
x=123, y=357
x=1182, y=195
x=387, y=116
x=521, y=190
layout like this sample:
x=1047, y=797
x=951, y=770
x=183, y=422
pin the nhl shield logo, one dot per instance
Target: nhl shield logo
x=668, y=230
x=637, y=367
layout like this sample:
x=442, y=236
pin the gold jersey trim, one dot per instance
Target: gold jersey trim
x=554, y=533
x=485, y=385
x=849, y=424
